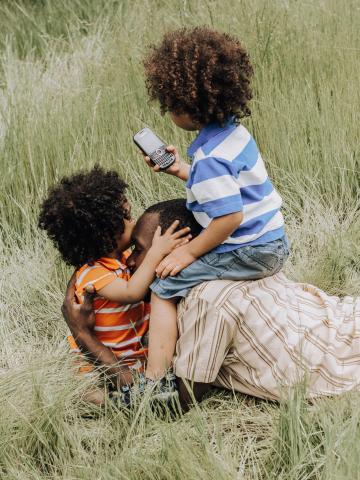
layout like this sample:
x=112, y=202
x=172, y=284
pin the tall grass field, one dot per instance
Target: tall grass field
x=72, y=94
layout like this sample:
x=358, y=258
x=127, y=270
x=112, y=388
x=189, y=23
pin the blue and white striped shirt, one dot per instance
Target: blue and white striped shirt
x=228, y=175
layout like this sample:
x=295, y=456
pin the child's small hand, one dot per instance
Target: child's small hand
x=176, y=261
x=172, y=238
x=174, y=169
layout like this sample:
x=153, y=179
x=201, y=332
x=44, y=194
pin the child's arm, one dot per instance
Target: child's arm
x=135, y=289
x=178, y=169
x=219, y=230
x=215, y=187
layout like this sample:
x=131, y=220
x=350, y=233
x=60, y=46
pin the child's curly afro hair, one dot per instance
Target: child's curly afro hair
x=84, y=214
x=200, y=72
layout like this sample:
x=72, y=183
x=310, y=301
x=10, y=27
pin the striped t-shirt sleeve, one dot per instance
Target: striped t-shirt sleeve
x=97, y=276
x=213, y=188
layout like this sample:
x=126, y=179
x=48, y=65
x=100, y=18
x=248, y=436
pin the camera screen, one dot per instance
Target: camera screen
x=149, y=141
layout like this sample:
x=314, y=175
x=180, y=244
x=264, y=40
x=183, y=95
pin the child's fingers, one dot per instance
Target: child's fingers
x=181, y=233
x=157, y=232
x=176, y=270
x=183, y=241
x=173, y=227
x=162, y=265
x=166, y=271
x=159, y=269
x=180, y=242
x=155, y=168
x=171, y=148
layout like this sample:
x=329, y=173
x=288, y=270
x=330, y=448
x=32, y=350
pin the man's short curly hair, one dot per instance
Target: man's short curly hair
x=171, y=210
x=84, y=214
x=201, y=72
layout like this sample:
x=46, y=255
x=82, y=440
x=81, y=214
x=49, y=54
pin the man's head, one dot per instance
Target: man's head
x=163, y=214
x=87, y=216
x=200, y=76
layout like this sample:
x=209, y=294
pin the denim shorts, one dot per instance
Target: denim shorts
x=250, y=262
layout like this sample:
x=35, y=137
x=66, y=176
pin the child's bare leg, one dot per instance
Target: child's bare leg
x=162, y=336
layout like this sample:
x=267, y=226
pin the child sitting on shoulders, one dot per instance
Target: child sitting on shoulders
x=202, y=78
x=88, y=218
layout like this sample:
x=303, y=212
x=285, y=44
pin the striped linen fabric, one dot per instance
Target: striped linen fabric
x=120, y=327
x=228, y=175
x=262, y=337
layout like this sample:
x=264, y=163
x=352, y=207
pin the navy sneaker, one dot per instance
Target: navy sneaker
x=129, y=395
x=163, y=390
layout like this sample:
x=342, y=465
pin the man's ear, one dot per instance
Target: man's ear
x=147, y=225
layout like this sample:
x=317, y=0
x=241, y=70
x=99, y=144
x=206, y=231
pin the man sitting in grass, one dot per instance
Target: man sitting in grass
x=256, y=337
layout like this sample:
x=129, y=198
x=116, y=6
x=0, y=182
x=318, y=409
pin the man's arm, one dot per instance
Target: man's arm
x=81, y=322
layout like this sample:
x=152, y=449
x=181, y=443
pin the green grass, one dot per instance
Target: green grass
x=72, y=94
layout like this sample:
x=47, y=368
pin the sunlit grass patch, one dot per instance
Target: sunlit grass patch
x=71, y=95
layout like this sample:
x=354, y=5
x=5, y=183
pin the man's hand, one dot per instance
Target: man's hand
x=78, y=317
x=178, y=169
x=176, y=261
x=81, y=322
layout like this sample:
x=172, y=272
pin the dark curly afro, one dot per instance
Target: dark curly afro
x=84, y=214
x=200, y=72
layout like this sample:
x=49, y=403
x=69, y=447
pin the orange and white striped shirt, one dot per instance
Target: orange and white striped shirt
x=120, y=327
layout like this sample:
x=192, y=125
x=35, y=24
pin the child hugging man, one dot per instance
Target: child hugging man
x=88, y=217
x=202, y=78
